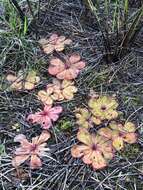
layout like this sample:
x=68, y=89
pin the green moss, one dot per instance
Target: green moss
x=98, y=79
x=131, y=151
x=132, y=100
x=65, y=125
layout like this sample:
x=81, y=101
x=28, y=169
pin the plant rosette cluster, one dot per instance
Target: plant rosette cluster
x=54, y=43
x=62, y=88
x=57, y=91
x=45, y=117
x=119, y=134
x=114, y=135
x=98, y=149
x=22, y=81
x=84, y=118
x=65, y=70
x=68, y=69
x=94, y=150
x=100, y=108
x=32, y=151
